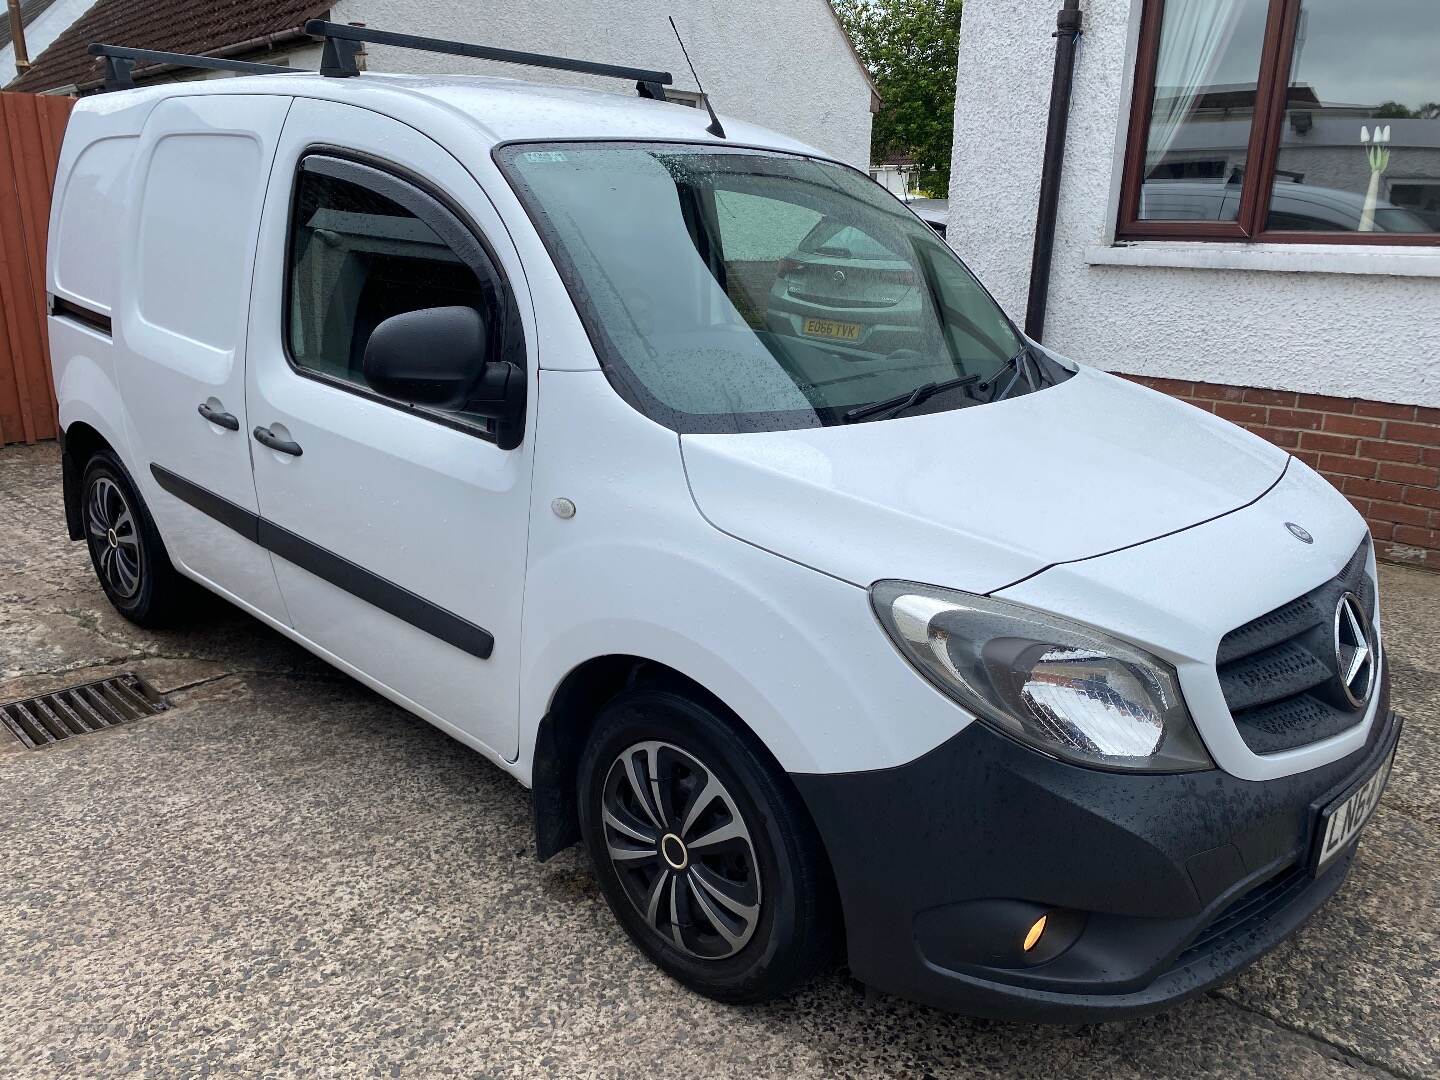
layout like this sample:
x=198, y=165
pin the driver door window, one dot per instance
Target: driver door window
x=358, y=257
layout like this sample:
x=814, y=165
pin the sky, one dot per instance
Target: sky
x=1358, y=52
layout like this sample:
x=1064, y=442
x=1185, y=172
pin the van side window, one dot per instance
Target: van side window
x=358, y=257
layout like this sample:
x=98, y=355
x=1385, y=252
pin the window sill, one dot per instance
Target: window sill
x=1292, y=258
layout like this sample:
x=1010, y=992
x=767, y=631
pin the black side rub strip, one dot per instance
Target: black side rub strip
x=386, y=595
x=84, y=316
x=208, y=503
x=337, y=570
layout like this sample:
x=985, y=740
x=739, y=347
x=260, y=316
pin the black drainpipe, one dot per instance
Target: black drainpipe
x=1067, y=37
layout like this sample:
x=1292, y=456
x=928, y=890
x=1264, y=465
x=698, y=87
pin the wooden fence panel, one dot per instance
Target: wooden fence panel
x=31, y=129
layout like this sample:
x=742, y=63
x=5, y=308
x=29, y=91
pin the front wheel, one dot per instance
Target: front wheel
x=702, y=849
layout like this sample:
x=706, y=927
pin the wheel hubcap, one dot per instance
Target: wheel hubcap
x=681, y=850
x=672, y=850
x=113, y=535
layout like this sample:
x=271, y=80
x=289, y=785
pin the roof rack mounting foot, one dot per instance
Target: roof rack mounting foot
x=338, y=60
x=653, y=90
x=118, y=73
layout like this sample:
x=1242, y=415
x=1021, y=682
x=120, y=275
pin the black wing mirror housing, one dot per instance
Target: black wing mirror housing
x=427, y=357
x=436, y=357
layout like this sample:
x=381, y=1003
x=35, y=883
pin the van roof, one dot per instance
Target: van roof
x=501, y=109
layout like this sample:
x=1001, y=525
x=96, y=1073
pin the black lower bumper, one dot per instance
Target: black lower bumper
x=1155, y=887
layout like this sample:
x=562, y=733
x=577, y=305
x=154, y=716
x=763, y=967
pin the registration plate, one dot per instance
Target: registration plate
x=839, y=331
x=1343, y=819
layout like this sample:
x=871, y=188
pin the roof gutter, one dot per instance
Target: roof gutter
x=257, y=44
x=1067, y=39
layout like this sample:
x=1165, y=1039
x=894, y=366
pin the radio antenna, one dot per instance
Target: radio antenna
x=715, y=127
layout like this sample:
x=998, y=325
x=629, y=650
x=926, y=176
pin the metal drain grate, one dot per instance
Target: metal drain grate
x=78, y=710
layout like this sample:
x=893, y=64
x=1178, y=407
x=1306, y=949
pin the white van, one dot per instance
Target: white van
x=1038, y=693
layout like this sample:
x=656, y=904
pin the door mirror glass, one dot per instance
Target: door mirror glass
x=434, y=356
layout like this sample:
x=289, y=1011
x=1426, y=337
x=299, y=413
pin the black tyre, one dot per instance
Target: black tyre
x=702, y=848
x=125, y=549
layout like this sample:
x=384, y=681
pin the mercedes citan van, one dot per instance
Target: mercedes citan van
x=685, y=474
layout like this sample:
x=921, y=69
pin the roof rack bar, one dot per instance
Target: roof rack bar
x=120, y=64
x=344, y=59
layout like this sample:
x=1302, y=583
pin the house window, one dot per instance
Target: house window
x=1285, y=120
x=685, y=97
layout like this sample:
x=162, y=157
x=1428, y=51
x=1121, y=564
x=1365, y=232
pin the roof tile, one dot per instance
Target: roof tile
x=170, y=25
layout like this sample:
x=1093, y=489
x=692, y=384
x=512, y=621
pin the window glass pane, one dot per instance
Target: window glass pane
x=1361, y=70
x=356, y=259
x=757, y=233
x=1205, y=80
x=735, y=290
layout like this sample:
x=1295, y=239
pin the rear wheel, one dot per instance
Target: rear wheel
x=702, y=849
x=125, y=548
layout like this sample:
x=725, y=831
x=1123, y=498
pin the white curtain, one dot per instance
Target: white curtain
x=1193, y=39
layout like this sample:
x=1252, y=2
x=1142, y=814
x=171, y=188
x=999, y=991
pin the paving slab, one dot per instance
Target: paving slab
x=286, y=875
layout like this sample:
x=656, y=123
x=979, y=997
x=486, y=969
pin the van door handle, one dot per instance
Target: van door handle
x=265, y=437
x=217, y=416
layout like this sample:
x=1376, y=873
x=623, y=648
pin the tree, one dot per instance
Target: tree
x=1394, y=110
x=910, y=48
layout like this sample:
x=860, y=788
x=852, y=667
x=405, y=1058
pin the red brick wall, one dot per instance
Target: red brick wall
x=1384, y=457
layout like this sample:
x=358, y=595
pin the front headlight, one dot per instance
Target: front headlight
x=1063, y=688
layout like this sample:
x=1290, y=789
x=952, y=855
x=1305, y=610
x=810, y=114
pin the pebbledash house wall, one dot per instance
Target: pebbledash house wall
x=1330, y=351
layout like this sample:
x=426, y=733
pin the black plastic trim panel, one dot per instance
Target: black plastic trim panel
x=70, y=490
x=1175, y=881
x=339, y=571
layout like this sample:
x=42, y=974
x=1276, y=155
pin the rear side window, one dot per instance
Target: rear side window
x=364, y=246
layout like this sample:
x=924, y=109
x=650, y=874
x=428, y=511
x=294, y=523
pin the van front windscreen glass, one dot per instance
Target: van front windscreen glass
x=742, y=290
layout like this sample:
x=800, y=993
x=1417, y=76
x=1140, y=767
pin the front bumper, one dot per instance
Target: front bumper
x=1165, y=884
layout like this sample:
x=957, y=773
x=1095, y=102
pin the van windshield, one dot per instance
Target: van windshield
x=743, y=290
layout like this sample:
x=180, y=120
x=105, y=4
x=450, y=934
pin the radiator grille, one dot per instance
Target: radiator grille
x=1277, y=672
x=78, y=710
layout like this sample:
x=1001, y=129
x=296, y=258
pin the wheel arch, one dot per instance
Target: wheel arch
x=79, y=442
x=562, y=733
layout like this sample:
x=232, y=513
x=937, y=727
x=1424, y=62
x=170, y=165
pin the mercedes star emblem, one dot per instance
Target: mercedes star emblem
x=1300, y=534
x=1354, y=650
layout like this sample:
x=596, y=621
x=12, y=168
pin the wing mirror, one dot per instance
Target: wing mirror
x=436, y=357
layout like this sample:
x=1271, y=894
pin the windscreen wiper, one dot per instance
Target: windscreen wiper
x=1023, y=366
x=900, y=402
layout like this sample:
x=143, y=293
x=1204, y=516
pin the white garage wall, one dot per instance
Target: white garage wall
x=781, y=63
x=1351, y=322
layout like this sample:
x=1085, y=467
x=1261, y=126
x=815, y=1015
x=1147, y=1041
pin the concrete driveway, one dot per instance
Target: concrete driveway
x=287, y=875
